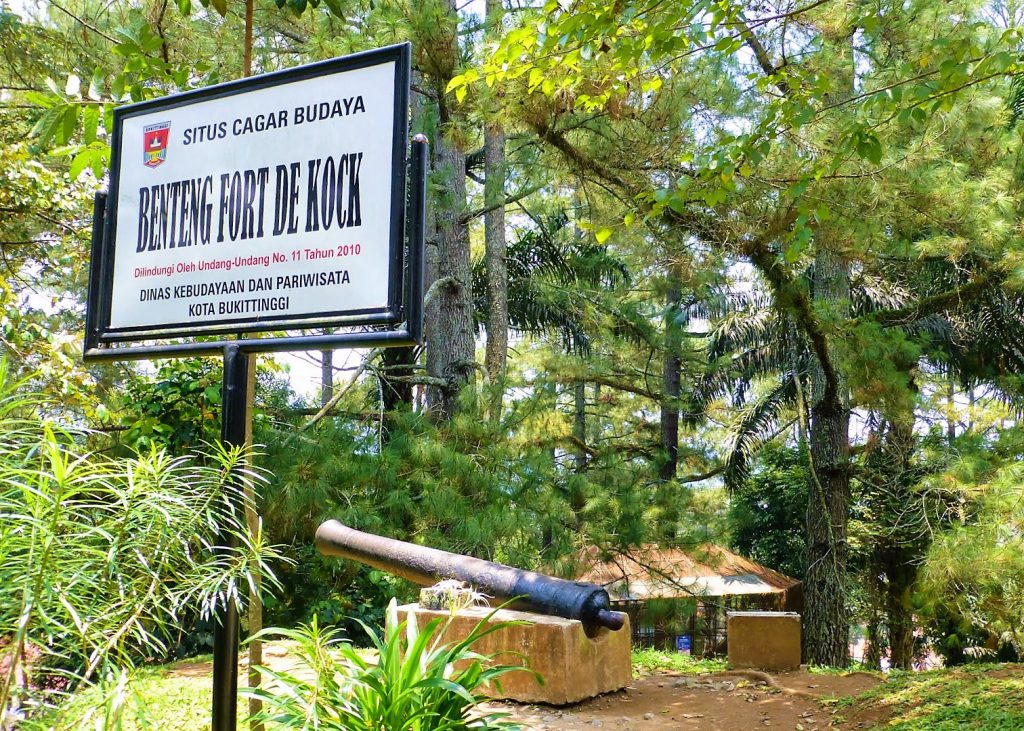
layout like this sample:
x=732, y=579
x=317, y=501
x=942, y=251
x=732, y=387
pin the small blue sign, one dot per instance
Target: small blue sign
x=684, y=644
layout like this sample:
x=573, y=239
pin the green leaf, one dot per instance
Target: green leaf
x=73, y=86
x=805, y=115
x=46, y=126
x=603, y=235
x=96, y=86
x=90, y=122
x=80, y=162
x=41, y=100
x=69, y=124
x=535, y=79
x=100, y=161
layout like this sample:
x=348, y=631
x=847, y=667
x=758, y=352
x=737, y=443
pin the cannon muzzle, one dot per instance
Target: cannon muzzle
x=588, y=603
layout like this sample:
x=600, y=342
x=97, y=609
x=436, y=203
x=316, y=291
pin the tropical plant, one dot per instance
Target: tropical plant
x=417, y=682
x=548, y=282
x=103, y=561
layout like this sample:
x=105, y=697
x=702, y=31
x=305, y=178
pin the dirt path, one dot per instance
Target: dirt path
x=719, y=702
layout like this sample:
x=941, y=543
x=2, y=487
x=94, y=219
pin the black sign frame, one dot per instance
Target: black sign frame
x=399, y=323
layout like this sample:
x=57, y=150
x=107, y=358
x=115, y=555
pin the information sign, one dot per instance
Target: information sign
x=269, y=203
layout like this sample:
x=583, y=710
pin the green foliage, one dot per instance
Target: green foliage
x=877, y=361
x=416, y=683
x=339, y=594
x=178, y=409
x=42, y=231
x=75, y=118
x=766, y=511
x=102, y=560
x=972, y=579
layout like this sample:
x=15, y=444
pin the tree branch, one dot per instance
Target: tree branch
x=791, y=295
x=500, y=204
x=932, y=304
x=85, y=23
x=611, y=383
x=703, y=476
x=340, y=394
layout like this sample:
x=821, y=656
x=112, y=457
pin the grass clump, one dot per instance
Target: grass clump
x=648, y=660
x=140, y=700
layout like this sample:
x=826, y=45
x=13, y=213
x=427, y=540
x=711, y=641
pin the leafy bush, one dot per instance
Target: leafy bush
x=103, y=561
x=418, y=683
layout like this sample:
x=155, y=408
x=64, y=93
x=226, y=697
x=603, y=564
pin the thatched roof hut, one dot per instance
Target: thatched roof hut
x=678, y=599
x=651, y=572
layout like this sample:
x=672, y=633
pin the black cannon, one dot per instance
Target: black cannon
x=425, y=566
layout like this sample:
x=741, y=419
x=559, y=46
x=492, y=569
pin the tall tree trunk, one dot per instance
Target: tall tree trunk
x=901, y=559
x=254, y=611
x=826, y=618
x=577, y=498
x=873, y=644
x=950, y=410
x=901, y=572
x=397, y=366
x=671, y=367
x=449, y=337
x=496, y=348
x=252, y=516
x=579, y=426
x=326, y=376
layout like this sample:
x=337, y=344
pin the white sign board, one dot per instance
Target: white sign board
x=273, y=202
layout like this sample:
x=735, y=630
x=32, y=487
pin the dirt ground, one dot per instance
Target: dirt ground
x=728, y=701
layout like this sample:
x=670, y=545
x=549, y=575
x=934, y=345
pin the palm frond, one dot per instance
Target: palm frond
x=758, y=422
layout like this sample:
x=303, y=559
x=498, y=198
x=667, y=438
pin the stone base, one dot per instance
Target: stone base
x=574, y=666
x=764, y=640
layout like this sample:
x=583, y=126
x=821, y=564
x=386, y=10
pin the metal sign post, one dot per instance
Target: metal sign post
x=234, y=423
x=154, y=245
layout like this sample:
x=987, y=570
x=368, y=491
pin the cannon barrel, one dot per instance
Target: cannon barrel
x=588, y=603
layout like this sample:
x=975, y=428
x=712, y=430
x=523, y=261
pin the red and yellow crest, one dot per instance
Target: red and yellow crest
x=154, y=143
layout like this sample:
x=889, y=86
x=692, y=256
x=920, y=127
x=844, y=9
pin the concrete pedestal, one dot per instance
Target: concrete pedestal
x=764, y=640
x=574, y=666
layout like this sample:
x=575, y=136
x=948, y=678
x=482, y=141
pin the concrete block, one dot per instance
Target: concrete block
x=574, y=666
x=764, y=640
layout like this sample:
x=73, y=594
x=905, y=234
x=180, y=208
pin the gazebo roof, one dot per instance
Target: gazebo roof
x=651, y=572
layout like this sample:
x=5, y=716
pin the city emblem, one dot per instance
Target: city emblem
x=154, y=142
